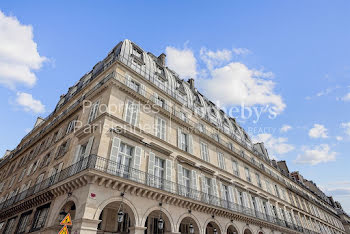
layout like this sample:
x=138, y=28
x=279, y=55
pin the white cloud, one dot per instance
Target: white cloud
x=316, y=155
x=213, y=59
x=236, y=84
x=275, y=146
x=241, y=51
x=230, y=83
x=27, y=101
x=339, y=138
x=182, y=61
x=318, y=131
x=19, y=56
x=285, y=128
x=346, y=98
x=346, y=127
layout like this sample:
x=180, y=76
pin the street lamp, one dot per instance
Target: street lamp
x=215, y=231
x=191, y=228
x=160, y=223
x=120, y=218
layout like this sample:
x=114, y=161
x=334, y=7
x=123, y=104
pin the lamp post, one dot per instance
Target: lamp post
x=160, y=220
x=215, y=231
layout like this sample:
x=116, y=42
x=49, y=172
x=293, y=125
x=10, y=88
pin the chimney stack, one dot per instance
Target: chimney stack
x=191, y=82
x=161, y=59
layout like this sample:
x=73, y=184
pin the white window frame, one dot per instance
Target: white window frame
x=131, y=112
x=221, y=160
x=204, y=151
x=161, y=128
x=93, y=111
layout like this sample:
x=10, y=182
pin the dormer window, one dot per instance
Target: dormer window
x=160, y=73
x=137, y=53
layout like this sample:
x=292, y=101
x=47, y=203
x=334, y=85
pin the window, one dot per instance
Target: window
x=124, y=159
x=204, y=151
x=216, y=137
x=131, y=112
x=62, y=149
x=221, y=160
x=235, y=167
x=225, y=194
x=93, y=111
x=137, y=54
x=230, y=146
x=40, y=217
x=183, y=116
x=184, y=141
x=254, y=203
x=201, y=127
x=276, y=191
x=46, y=160
x=247, y=174
x=9, y=225
x=134, y=85
x=11, y=181
x=258, y=181
x=159, y=172
x=22, y=223
x=186, y=178
x=161, y=128
x=207, y=186
x=240, y=197
x=71, y=126
x=268, y=186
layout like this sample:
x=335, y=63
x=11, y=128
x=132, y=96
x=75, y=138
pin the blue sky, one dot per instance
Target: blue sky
x=297, y=50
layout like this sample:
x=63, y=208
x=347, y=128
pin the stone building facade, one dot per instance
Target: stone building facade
x=132, y=148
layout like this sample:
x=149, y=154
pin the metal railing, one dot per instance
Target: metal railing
x=110, y=167
x=129, y=173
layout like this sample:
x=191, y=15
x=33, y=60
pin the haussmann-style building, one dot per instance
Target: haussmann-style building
x=132, y=148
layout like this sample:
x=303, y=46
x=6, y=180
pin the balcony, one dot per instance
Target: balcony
x=101, y=164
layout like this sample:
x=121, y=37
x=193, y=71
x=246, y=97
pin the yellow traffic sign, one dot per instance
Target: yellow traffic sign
x=67, y=220
x=64, y=230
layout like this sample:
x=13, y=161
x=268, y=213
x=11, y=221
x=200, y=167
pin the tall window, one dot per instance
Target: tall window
x=225, y=196
x=247, y=174
x=159, y=172
x=93, y=111
x=207, y=186
x=184, y=141
x=258, y=181
x=240, y=197
x=40, y=217
x=276, y=191
x=22, y=223
x=134, y=85
x=10, y=225
x=235, y=167
x=161, y=128
x=186, y=178
x=124, y=159
x=131, y=112
x=204, y=151
x=221, y=160
x=71, y=126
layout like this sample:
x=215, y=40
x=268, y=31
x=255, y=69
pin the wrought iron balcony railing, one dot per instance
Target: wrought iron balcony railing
x=104, y=165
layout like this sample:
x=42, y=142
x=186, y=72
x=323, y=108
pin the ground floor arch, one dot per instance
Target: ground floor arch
x=232, y=230
x=188, y=225
x=157, y=222
x=212, y=228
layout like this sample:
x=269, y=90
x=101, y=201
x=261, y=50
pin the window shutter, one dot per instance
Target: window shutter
x=203, y=184
x=76, y=154
x=246, y=202
x=179, y=138
x=151, y=161
x=36, y=165
x=137, y=158
x=136, y=163
x=112, y=165
x=29, y=169
x=180, y=179
x=87, y=152
x=67, y=145
x=190, y=144
x=155, y=98
x=166, y=104
x=194, y=180
x=231, y=195
x=259, y=205
x=237, y=196
x=215, y=188
x=59, y=134
x=168, y=174
x=143, y=90
x=222, y=191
